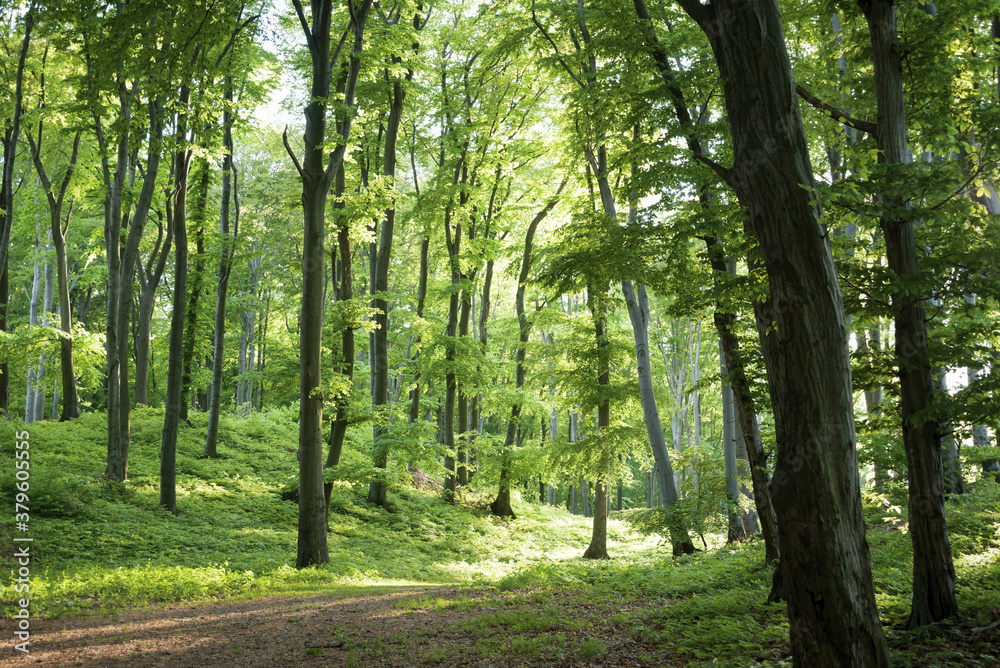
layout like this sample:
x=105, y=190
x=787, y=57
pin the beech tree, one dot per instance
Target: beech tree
x=816, y=485
x=317, y=170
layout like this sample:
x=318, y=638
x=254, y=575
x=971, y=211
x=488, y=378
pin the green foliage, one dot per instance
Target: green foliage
x=593, y=649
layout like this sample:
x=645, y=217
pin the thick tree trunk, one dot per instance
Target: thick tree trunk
x=933, y=571
x=117, y=465
x=825, y=559
x=598, y=548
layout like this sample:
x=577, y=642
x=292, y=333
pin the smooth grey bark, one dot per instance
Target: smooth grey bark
x=45, y=320
x=743, y=524
x=723, y=318
x=736, y=531
x=825, y=558
x=934, y=596
x=55, y=192
x=748, y=426
x=638, y=312
x=247, y=357
x=33, y=321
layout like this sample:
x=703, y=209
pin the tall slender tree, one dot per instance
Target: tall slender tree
x=317, y=171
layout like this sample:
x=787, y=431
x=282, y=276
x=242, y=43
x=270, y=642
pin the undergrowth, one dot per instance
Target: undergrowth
x=99, y=545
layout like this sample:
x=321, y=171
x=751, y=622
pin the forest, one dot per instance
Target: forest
x=664, y=328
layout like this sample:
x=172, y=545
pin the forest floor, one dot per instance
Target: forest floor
x=412, y=626
x=115, y=580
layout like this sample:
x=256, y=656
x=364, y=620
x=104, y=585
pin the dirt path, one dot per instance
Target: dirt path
x=431, y=626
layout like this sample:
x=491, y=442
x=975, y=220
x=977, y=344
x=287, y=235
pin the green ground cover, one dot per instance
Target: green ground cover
x=99, y=546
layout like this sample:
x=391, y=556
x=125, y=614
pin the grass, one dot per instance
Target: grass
x=530, y=595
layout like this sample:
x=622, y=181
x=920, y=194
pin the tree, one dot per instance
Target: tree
x=56, y=196
x=501, y=504
x=177, y=219
x=380, y=377
x=317, y=172
x=10, y=139
x=230, y=201
x=933, y=572
x=817, y=495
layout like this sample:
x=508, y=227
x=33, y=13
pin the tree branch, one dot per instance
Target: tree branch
x=291, y=153
x=697, y=11
x=714, y=166
x=562, y=61
x=837, y=114
x=310, y=39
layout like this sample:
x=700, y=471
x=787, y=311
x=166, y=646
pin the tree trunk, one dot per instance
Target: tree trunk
x=825, y=559
x=380, y=377
x=175, y=363
x=197, y=278
x=501, y=505
x=638, y=312
x=598, y=548
x=451, y=381
x=737, y=532
x=933, y=571
x=11, y=136
x=317, y=176
x=345, y=293
x=421, y=297
x=149, y=280
x=33, y=305
x=230, y=204
x=462, y=473
x=56, y=195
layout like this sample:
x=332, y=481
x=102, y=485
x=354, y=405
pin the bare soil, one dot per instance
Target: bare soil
x=427, y=626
